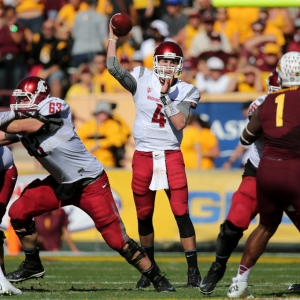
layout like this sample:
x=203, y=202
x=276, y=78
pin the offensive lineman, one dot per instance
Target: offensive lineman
x=76, y=178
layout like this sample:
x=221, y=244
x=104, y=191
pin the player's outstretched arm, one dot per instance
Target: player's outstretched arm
x=23, y=126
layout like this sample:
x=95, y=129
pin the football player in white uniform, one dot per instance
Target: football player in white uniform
x=8, y=179
x=76, y=178
x=163, y=104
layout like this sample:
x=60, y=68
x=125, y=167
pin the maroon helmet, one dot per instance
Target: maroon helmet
x=34, y=88
x=273, y=82
x=168, y=50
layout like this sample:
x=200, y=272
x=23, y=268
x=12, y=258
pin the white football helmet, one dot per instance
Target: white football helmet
x=288, y=69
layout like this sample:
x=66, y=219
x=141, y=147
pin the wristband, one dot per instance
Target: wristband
x=169, y=107
x=171, y=110
x=165, y=99
x=113, y=40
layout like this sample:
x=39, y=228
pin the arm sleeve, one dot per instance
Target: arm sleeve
x=122, y=75
x=184, y=107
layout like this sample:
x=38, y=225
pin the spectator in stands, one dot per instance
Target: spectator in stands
x=270, y=55
x=216, y=48
x=126, y=46
x=188, y=72
x=185, y=36
x=240, y=153
x=206, y=6
x=49, y=58
x=102, y=79
x=52, y=8
x=294, y=45
x=157, y=33
x=226, y=26
x=52, y=229
x=280, y=18
x=261, y=34
x=67, y=13
x=215, y=81
x=84, y=83
x=243, y=17
x=89, y=33
x=30, y=13
x=125, y=63
x=137, y=59
x=246, y=79
x=12, y=50
x=232, y=63
x=124, y=6
x=104, y=136
x=174, y=16
x=147, y=12
x=204, y=41
x=199, y=145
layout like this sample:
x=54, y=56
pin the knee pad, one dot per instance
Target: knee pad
x=29, y=227
x=131, y=250
x=2, y=237
x=145, y=227
x=228, y=238
x=185, y=226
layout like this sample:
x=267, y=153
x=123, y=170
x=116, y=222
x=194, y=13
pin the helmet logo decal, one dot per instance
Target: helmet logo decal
x=41, y=87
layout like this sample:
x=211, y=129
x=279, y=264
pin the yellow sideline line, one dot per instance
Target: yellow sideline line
x=75, y=258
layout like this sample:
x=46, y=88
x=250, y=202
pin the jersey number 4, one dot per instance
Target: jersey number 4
x=279, y=100
x=159, y=117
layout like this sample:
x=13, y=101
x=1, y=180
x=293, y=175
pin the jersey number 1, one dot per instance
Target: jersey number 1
x=279, y=100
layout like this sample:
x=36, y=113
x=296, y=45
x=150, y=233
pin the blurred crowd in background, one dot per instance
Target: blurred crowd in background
x=64, y=41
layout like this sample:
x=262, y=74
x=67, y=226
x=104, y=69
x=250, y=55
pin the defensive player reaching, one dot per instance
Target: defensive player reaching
x=243, y=207
x=163, y=104
x=278, y=172
x=76, y=178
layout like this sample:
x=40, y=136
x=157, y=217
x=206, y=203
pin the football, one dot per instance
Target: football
x=121, y=24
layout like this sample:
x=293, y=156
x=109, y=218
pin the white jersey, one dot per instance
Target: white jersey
x=152, y=129
x=61, y=152
x=256, y=150
x=7, y=159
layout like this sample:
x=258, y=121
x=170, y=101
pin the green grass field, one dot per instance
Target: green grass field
x=109, y=277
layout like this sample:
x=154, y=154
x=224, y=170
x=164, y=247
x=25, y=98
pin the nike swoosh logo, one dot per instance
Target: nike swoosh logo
x=104, y=185
x=13, y=178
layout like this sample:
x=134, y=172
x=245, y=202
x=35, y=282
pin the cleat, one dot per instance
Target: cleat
x=143, y=282
x=6, y=288
x=238, y=290
x=214, y=275
x=194, y=278
x=162, y=284
x=27, y=270
x=294, y=287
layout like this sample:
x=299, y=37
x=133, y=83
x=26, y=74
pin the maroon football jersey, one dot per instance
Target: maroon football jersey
x=280, y=120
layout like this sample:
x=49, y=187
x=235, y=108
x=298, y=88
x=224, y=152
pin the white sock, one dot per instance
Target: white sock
x=2, y=277
x=243, y=273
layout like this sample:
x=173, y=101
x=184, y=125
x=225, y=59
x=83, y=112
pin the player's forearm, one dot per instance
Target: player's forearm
x=24, y=126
